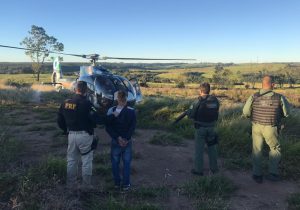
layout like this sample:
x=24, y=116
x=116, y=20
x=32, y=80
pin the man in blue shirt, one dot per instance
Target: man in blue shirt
x=120, y=125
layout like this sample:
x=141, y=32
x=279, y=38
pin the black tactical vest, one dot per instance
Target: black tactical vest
x=267, y=110
x=207, y=110
x=70, y=112
x=76, y=112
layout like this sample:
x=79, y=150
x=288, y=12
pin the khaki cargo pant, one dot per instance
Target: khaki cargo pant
x=270, y=135
x=79, y=142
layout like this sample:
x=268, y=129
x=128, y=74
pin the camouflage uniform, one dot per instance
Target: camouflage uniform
x=266, y=109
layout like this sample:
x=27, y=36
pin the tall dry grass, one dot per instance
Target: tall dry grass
x=235, y=95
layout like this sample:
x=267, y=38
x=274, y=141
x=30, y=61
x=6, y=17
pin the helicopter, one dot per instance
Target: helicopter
x=102, y=85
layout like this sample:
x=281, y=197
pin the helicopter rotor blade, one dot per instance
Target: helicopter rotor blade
x=46, y=51
x=96, y=57
x=151, y=59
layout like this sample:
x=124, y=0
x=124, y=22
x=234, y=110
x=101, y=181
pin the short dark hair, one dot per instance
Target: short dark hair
x=81, y=87
x=205, y=87
x=122, y=95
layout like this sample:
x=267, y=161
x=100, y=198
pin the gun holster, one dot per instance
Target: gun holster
x=212, y=140
x=93, y=145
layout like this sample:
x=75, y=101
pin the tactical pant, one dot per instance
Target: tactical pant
x=269, y=134
x=205, y=135
x=79, y=142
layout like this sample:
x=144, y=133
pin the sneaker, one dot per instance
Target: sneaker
x=193, y=171
x=257, y=179
x=126, y=188
x=273, y=177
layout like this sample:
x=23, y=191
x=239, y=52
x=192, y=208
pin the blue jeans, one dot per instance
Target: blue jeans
x=116, y=153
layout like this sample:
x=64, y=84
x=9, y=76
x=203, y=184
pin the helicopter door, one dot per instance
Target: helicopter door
x=92, y=95
x=135, y=84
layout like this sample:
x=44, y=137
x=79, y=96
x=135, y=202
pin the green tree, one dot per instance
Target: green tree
x=39, y=44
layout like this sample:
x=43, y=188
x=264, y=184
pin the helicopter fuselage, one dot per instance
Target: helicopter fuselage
x=103, y=87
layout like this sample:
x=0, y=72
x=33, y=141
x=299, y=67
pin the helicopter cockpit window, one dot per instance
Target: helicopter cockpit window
x=91, y=87
x=105, y=86
x=128, y=85
x=119, y=84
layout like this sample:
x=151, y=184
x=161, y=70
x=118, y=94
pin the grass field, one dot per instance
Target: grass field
x=33, y=163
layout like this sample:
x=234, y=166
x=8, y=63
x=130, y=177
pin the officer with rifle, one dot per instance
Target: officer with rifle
x=78, y=118
x=266, y=109
x=204, y=112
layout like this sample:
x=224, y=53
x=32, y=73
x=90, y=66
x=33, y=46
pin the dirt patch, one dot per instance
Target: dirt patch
x=170, y=166
x=268, y=195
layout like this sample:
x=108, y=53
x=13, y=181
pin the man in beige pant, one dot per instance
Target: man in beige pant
x=78, y=117
x=266, y=109
x=79, y=142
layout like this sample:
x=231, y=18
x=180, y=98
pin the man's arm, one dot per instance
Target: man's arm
x=247, y=110
x=191, y=111
x=132, y=126
x=95, y=117
x=111, y=132
x=61, y=120
x=109, y=128
x=110, y=116
x=285, y=106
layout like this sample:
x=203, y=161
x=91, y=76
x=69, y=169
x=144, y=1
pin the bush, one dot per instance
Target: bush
x=16, y=96
x=294, y=201
x=162, y=114
x=56, y=97
x=8, y=186
x=180, y=85
x=17, y=84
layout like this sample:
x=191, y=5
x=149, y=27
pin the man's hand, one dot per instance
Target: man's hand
x=122, y=142
x=116, y=114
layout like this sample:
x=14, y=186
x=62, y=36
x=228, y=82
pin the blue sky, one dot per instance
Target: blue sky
x=210, y=31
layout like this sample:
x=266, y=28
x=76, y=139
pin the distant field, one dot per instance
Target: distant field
x=235, y=95
x=208, y=71
x=28, y=78
x=254, y=68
